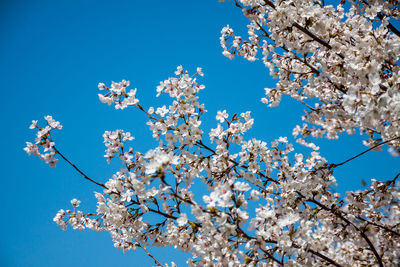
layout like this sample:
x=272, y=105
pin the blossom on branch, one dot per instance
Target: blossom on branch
x=43, y=140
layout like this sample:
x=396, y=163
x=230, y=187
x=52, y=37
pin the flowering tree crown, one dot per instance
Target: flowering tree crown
x=266, y=205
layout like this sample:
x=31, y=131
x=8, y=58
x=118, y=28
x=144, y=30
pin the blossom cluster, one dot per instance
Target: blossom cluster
x=43, y=140
x=343, y=64
x=114, y=142
x=118, y=94
x=76, y=219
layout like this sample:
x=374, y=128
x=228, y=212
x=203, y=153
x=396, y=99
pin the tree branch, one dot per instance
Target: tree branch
x=313, y=36
x=316, y=253
x=158, y=263
x=338, y=214
x=76, y=168
x=390, y=25
x=306, y=31
x=379, y=226
x=362, y=153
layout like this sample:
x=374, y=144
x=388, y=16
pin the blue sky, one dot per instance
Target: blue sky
x=54, y=53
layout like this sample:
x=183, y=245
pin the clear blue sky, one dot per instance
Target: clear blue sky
x=54, y=53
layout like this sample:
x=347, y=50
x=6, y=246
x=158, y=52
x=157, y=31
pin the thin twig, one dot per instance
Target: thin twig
x=378, y=225
x=76, y=168
x=362, y=153
x=158, y=263
x=387, y=183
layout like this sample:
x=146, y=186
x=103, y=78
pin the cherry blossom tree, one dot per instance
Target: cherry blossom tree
x=266, y=205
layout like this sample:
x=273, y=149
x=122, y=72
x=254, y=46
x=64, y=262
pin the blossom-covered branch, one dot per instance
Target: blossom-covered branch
x=231, y=200
x=299, y=218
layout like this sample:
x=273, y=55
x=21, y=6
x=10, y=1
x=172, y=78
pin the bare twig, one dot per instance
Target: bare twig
x=157, y=262
x=76, y=168
x=362, y=153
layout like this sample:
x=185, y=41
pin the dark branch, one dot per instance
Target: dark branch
x=390, y=25
x=316, y=253
x=362, y=153
x=338, y=214
x=76, y=168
